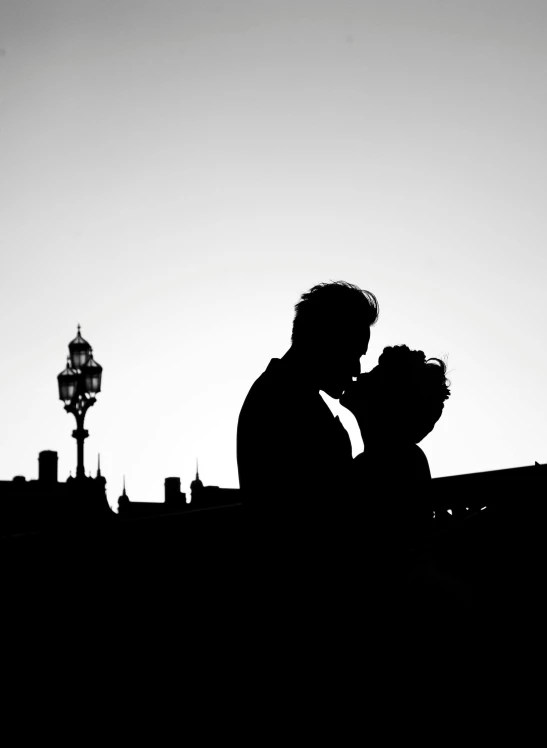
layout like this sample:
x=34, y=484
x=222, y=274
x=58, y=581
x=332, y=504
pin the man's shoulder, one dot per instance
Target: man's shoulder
x=262, y=397
x=272, y=373
x=273, y=383
x=278, y=397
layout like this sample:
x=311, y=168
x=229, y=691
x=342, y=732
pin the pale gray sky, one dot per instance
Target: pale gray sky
x=176, y=174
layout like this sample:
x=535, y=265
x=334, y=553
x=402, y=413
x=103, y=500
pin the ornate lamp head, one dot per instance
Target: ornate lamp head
x=67, y=380
x=92, y=372
x=80, y=351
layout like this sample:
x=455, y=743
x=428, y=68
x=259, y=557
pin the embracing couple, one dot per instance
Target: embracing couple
x=319, y=517
x=294, y=456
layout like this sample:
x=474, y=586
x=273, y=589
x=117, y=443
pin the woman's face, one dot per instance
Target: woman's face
x=383, y=413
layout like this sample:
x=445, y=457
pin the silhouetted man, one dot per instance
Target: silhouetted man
x=292, y=453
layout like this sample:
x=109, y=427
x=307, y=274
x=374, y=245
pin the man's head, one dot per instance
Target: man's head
x=331, y=329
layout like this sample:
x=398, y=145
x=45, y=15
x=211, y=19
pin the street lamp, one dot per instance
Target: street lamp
x=78, y=385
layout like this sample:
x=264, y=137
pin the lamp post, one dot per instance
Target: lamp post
x=78, y=385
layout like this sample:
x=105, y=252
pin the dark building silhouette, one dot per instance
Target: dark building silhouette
x=173, y=495
x=196, y=486
x=32, y=506
x=123, y=501
x=175, y=502
x=207, y=497
x=47, y=467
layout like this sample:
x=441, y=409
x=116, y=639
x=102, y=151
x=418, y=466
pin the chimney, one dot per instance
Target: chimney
x=172, y=490
x=47, y=467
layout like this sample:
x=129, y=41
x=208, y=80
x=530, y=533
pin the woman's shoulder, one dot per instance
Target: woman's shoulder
x=401, y=462
x=410, y=462
x=420, y=462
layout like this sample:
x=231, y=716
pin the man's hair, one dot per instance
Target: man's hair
x=329, y=306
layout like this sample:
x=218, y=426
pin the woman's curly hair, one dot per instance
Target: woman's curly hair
x=412, y=367
x=405, y=390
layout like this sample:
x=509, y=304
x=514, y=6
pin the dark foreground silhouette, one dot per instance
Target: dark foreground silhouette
x=213, y=594
x=323, y=559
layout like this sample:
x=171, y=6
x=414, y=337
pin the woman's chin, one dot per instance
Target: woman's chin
x=420, y=436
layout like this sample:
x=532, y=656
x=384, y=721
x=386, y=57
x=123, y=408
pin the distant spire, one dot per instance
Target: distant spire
x=196, y=484
x=123, y=500
x=99, y=465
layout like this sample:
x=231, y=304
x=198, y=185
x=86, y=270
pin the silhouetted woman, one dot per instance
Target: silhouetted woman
x=396, y=405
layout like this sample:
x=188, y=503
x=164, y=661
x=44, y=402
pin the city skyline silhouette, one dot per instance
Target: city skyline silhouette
x=176, y=175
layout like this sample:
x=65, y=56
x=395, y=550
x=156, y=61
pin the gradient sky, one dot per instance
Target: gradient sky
x=176, y=174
